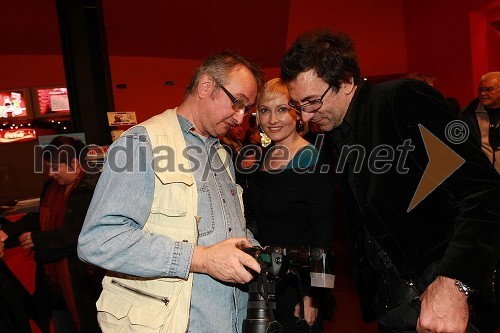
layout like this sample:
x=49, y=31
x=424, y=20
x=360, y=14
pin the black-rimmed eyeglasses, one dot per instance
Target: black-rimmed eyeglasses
x=238, y=105
x=486, y=89
x=311, y=106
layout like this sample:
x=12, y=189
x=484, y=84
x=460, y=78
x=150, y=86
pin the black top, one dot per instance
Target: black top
x=292, y=206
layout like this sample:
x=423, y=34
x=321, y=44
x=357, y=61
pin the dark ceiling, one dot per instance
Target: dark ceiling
x=181, y=29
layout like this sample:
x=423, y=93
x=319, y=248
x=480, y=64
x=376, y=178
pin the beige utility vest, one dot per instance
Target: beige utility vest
x=173, y=213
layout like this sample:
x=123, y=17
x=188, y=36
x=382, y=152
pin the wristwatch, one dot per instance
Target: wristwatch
x=463, y=288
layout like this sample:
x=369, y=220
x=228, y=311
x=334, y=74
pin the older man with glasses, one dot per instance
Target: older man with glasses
x=166, y=219
x=483, y=117
x=419, y=266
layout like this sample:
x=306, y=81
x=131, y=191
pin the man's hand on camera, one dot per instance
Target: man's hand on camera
x=444, y=308
x=225, y=261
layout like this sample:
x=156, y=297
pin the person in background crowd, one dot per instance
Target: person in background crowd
x=65, y=286
x=483, y=117
x=252, y=136
x=233, y=142
x=290, y=206
x=234, y=138
x=170, y=232
x=418, y=266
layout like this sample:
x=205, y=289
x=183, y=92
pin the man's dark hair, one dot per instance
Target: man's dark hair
x=332, y=56
x=62, y=149
x=220, y=65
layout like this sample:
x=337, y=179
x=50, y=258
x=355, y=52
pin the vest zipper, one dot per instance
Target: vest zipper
x=164, y=300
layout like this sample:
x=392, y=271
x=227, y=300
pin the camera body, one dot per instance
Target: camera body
x=276, y=262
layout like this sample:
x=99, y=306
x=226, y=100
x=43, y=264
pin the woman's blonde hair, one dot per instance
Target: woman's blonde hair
x=271, y=90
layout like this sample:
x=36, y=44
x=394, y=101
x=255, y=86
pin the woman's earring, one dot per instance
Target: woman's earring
x=259, y=128
x=299, y=126
x=264, y=139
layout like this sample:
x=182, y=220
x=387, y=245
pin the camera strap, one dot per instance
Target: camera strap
x=263, y=285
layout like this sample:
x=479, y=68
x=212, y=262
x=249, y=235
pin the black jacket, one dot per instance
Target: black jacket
x=54, y=245
x=458, y=224
x=469, y=116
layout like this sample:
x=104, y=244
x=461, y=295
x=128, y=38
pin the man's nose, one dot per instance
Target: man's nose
x=306, y=116
x=238, y=117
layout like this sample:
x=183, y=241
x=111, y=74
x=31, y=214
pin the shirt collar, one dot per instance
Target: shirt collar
x=188, y=128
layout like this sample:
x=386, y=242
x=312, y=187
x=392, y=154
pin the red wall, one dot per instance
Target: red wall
x=438, y=35
x=21, y=71
x=392, y=37
x=146, y=93
x=376, y=27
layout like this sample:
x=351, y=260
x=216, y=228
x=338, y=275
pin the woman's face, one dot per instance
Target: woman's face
x=62, y=173
x=277, y=119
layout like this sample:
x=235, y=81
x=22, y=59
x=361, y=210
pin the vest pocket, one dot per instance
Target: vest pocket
x=206, y=210
x=122, y=301
x=170, y=199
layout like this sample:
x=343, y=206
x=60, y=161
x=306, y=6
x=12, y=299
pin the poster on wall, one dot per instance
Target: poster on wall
x=121, y=118
x=51, y=101
x=15, y=104
x=17, y=135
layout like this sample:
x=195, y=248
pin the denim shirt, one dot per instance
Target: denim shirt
x=215, y=307
x=121, y=205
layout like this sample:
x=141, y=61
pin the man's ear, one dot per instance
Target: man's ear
x=348, y=86
x=205, y=85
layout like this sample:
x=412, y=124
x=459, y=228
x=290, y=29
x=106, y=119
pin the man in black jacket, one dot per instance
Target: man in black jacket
x=436, y=236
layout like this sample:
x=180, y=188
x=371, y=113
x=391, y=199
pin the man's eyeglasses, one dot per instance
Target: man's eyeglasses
x=238, y=105
x=486, y=89
x=311, y=106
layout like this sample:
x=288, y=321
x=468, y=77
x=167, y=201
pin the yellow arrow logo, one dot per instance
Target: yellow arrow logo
x=443, y=161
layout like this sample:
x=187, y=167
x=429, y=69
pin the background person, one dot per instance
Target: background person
x=483, y=117
x=448, y=245
x=170, y=232
x=233, y=142
x=290, y=206
x=66, y=288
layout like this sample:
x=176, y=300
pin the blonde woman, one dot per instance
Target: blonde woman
x=290, y=200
